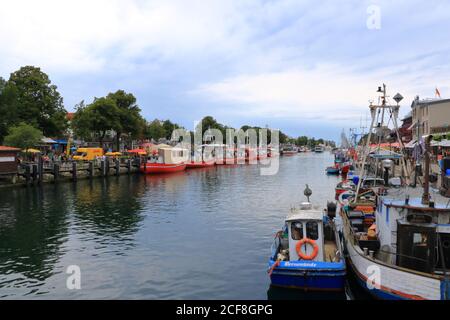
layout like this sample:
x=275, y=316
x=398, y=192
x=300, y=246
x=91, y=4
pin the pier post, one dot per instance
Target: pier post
x=56, y=171
x=28, y=173
x=129, y=166
x=35, y=172
x=117, y=167
x=91, y=169
x=102, y=168
x=74, y=171
x=40, y=170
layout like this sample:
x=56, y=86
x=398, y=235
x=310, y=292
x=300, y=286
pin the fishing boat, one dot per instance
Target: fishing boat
x=229, y=157
x=251, y=155
x=307, y=253
x=167, y=160
x=396, y=235
x=273, y=152
x=288, y=150
x=262, y=153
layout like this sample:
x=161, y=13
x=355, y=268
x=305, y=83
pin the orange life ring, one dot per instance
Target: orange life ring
x=302, y=255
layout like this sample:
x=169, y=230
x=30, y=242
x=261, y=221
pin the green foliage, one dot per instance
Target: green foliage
x=34, y=100
x=158, y=129
x=23, y=136
x=155, y=130
x=97, y=118
x=131, y=122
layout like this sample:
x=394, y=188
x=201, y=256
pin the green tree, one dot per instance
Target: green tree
x=97, y=119
x=23, y=136
x=168, y=127
x=38, y=101
x=155, y=130
x=8, y=108
x=131, y=121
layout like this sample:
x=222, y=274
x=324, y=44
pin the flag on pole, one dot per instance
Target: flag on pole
x=438, y=94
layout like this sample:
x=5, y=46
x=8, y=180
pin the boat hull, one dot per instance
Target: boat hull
x=197, y=165
x=155, y=168
x=309, y=275
x=394, y=283
x=334, y=171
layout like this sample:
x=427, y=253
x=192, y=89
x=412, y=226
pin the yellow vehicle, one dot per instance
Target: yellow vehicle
x=87, y=154
x=113, y=154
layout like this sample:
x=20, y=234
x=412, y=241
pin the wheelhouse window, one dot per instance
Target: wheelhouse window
x=297, y=230
x=312, y=230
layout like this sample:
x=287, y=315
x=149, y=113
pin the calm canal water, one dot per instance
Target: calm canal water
x=200, y=234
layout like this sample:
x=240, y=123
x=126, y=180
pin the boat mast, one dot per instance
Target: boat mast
x=394, y=113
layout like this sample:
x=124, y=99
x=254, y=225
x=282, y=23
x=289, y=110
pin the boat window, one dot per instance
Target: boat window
x=312, y=230
x=297, y=231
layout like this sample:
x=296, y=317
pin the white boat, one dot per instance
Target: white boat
x=319, y=148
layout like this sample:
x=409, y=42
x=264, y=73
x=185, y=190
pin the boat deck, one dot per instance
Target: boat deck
x=330, y=249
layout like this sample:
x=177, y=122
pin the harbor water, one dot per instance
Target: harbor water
x=198, y=234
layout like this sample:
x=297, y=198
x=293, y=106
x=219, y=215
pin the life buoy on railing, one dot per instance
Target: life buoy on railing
x=304, y=256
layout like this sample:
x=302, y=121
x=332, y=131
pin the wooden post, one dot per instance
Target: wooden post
x=35, y=172
x=117, y=167
x=41, y=170
x=56, y=171
x=106, y=167
x=102, y=167
x=28, y=173
x=129, y=166
x=91, y=169
x=74, y=171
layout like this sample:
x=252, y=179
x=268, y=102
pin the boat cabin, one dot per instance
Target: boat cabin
x=413, y=235
x=308, y=223
x=170, y=156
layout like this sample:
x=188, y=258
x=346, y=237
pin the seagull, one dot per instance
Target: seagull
x=307, y=192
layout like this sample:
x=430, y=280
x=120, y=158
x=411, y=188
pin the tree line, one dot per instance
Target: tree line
x=31, y=107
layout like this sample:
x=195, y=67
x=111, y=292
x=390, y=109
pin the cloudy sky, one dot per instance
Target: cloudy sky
x=306, y=67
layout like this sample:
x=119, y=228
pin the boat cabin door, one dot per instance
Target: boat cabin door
x=300, y=229
x=416, y=247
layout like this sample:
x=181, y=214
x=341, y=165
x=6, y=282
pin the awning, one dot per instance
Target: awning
x=48, y=140
x=443, y=143
x=385, y=154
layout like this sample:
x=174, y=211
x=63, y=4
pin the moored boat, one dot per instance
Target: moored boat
x=396, y=235
x=288, y=150
x=319, y=148
x=201, y=159
x=167, y=160
x=307, y=252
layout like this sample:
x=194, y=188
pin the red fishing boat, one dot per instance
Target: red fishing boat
x=167, y=160
x=262, y=153
x=230, y=155
x=251, y=155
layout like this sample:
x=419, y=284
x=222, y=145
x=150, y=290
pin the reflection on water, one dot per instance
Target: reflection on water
x=197, y=234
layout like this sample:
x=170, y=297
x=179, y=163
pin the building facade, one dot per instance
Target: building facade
x=430, y=116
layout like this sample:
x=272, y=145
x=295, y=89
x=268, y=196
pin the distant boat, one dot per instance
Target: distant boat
x=289, y=150
x=319, y=149
x=307, y=253
x=200, y=159
x=167, y=160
